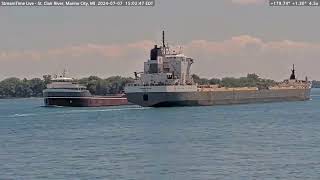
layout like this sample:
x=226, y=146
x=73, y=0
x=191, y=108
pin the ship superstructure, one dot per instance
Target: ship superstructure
x=62, y=86
x=167, y=81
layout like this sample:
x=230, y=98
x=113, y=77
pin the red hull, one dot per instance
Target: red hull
x=85, y=101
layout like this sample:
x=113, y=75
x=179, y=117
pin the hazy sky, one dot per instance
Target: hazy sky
x=225, y=37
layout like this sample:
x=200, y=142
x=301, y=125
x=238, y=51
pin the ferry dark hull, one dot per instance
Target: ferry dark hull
x=85, y=101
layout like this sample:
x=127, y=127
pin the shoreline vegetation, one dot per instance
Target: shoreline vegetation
x=26, y=88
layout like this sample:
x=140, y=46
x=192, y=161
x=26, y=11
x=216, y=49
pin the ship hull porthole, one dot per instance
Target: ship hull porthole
x=145, y=97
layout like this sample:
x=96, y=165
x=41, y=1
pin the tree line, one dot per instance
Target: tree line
x=17, y=88
x=23, y=88
x=251, y=80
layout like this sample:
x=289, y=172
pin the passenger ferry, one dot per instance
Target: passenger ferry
x=65, y=91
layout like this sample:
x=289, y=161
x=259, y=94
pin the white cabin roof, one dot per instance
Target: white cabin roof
x=66, y=79
x=176, y=55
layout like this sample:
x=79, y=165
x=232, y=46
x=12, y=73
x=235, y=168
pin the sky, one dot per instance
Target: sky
x=225, y=37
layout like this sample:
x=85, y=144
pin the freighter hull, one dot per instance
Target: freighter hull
x=85, y=101
x=169, y=99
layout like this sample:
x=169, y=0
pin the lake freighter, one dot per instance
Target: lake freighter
x=65, y=91
x=166, y=81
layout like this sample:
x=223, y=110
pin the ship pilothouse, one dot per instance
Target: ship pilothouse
x=63, y=86
x=166, y=70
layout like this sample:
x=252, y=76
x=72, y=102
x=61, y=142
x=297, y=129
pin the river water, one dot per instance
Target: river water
x=256, y=141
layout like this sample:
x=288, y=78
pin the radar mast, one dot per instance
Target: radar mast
x=293, y=76
x=164, y=42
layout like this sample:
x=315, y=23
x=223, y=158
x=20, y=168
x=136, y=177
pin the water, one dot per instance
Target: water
x=257, y=141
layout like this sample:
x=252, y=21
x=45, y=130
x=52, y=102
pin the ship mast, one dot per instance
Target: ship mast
x=164, y=43
x=293, y=76
x=64, y=72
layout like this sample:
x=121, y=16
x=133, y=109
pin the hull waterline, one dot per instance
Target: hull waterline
x=84, y=101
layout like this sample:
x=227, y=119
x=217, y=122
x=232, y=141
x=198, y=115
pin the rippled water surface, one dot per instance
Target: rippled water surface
x=256, y=141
